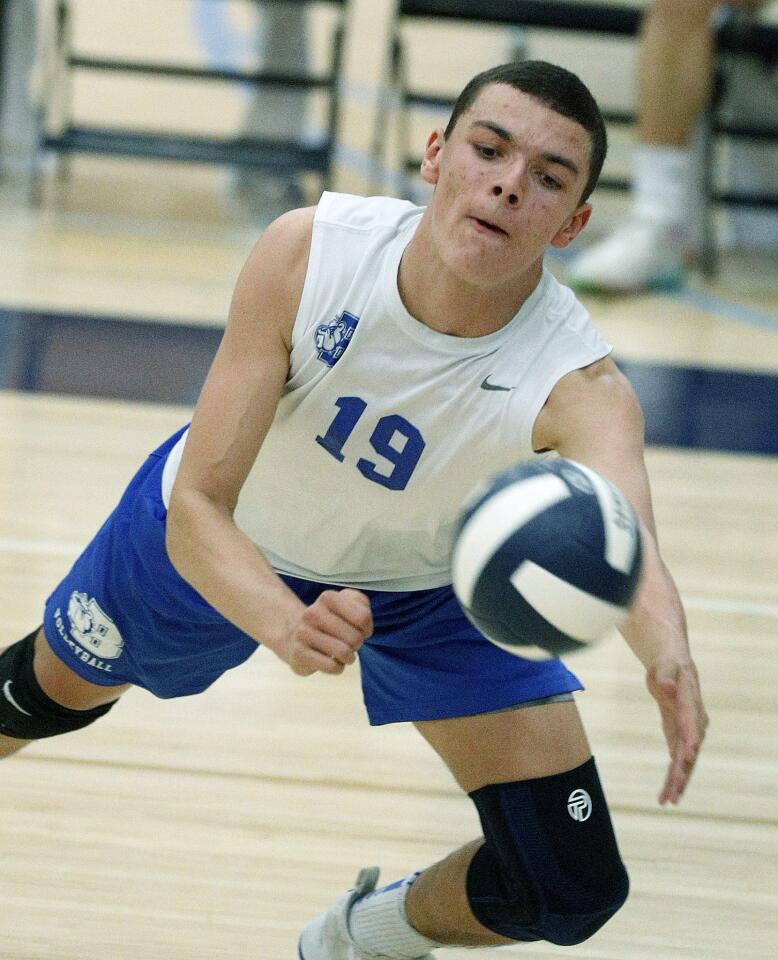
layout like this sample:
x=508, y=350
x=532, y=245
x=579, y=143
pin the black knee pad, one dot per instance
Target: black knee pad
x=550, y=868
x=26, y=713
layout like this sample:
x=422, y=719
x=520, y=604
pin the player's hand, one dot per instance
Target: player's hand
x=674, y=684
x=329, y=633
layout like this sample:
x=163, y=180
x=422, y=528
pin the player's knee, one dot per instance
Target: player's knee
x=26, y=711
x=544, y=912
x=549, y=868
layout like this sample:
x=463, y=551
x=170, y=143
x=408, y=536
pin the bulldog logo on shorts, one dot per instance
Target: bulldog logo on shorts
x=332, y=338
x=92, y=627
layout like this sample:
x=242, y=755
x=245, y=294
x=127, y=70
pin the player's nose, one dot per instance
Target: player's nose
x=510, y=185
x=511, y=197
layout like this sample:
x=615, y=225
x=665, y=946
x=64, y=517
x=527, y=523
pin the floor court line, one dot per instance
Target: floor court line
x=731, y=605
x=60, y=548
x=330, y=783
x=726, y=309
x=35, y=548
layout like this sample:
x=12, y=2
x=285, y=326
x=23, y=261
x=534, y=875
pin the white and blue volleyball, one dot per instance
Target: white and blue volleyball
x=547, y=558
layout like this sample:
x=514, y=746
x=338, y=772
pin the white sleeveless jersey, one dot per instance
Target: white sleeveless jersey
x=385, y=425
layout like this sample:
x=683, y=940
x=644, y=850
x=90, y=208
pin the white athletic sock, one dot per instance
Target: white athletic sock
x=661, y=183
x=378, y=924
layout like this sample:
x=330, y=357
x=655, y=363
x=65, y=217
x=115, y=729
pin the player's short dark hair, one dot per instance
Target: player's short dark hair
x=558, y=89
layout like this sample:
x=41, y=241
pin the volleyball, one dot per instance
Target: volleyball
x=547, y=558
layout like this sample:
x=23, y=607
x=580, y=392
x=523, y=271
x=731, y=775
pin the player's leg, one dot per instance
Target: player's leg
x=510, y=733
x=72, y=670
x=41, y=697
x=547, y=867
x=122, y=616
x=520, y=768
x=100, y=632
x=675, y=69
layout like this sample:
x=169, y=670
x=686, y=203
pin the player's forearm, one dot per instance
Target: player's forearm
x=225, y=567
x=657, y=622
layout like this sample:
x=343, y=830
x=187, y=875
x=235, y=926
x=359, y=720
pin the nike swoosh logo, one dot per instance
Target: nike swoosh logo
x=485, y=385
x=10, y=699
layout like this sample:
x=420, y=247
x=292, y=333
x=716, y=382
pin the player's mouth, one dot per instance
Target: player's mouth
x=485, y=226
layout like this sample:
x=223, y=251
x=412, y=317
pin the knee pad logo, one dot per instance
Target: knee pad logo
x=92, y=627
x=579, y=805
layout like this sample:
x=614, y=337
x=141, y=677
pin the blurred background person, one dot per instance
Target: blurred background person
x=277, y=41
x=275, y=113
x=675, y=82
x=18, y=111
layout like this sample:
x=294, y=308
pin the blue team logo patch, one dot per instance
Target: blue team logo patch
x=332, y=338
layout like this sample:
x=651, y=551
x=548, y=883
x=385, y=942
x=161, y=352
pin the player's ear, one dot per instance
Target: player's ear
x=573, y=226
x=430, y=164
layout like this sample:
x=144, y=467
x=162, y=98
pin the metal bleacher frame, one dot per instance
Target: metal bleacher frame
x=736, y=34
x=246, y=151
x=3, y=15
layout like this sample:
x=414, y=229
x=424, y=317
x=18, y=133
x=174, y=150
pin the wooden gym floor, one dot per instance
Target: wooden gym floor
x=216, y=826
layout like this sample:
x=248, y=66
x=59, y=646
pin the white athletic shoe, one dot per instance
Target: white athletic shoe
x=327, y=936
x=640, y=255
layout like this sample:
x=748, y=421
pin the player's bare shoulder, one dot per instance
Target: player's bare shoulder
x=596, y=397
x=271, y=282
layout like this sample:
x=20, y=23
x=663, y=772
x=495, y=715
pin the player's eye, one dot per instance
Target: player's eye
x=487, y=152
x=551, y=182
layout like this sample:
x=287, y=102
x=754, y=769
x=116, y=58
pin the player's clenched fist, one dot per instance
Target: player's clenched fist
x=329, y=633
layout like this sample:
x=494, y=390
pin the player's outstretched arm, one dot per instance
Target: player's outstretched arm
x=593, y=416
x=234, y=412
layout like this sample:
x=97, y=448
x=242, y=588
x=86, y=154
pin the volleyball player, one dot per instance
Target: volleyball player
x=379, y=360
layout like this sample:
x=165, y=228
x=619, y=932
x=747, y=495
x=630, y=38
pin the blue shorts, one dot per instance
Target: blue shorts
x=124, y=615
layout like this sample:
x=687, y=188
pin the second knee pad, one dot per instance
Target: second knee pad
x=26, y=712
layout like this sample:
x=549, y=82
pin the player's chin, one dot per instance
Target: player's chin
x=484, y=268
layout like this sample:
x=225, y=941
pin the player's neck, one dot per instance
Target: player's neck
x=439, y=299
